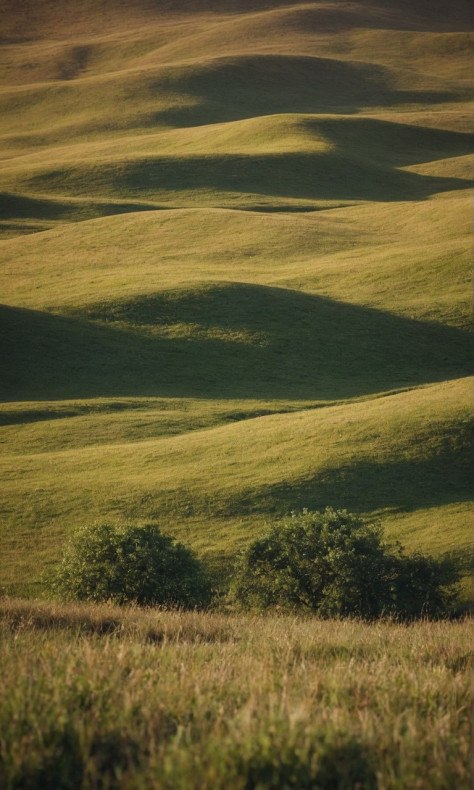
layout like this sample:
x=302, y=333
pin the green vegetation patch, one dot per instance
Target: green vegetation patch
x=96, y=695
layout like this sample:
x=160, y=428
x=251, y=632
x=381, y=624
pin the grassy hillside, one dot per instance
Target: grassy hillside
x=234, y=268
x=394, y=457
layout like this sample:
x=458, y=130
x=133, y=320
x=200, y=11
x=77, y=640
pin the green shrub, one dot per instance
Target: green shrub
x=129, y=564
x=336, y=564
x=422, y=585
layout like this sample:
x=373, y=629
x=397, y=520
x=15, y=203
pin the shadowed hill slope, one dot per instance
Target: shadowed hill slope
x=46, y=16
x=225, y=342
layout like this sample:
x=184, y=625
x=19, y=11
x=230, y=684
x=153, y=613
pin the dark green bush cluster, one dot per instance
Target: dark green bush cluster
x=336, y=564
x=127, y=564
x=333, y=564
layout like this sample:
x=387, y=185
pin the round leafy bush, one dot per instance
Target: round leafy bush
x=129, y=564
x=336, y=564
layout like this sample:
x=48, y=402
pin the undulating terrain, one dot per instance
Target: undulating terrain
x=235, y=248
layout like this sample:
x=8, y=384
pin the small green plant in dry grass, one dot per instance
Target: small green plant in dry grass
x=98, y=696
x=126, y=563
x=336, y=564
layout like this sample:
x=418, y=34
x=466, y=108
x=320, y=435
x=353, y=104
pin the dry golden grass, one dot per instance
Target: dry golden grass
x=162, y=699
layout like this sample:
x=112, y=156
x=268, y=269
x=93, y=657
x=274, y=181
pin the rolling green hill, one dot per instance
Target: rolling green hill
x=235, y=253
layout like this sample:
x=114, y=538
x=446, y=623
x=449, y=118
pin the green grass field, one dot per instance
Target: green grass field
x=234, y=270
x=129, y=698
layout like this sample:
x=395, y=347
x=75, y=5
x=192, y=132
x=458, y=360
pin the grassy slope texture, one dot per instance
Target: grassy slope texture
x=234, y=261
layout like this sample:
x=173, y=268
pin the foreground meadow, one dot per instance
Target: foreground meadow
x=98, y=697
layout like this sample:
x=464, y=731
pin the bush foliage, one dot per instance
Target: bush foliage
x=336, y=564
x=129, y=564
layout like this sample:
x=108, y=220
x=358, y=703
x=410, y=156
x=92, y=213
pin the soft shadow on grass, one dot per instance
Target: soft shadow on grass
x=22, y=206
x=403, y=486
x=338, y=175
x=232, y=88
x=225, y=341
